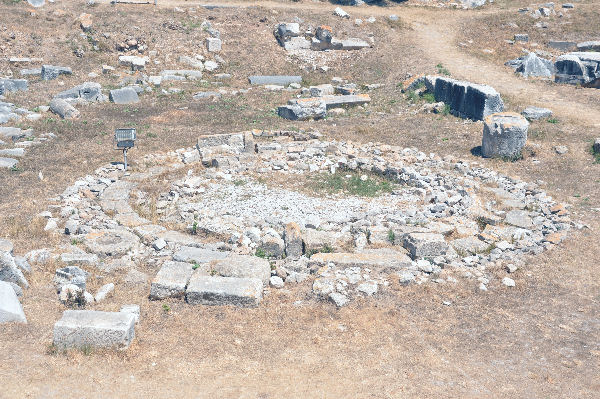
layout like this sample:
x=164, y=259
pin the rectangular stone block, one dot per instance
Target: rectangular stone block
x=171, y=280
x=280, y=80
x=89, y=328
x=345, y=100
x=213, y=290
x=466, y=100
x=421, y=245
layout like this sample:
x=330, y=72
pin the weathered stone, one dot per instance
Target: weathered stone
x=272, y=247
x=70, y=275
x=63, y=109
x=36, y=3
x=521, y=37
x=504, y=135
x=509, y=282
x=10, y=307
x=368, y=288
x=198, y=255
x=280, y=80
x=243, y=266
x=110, y=242
x=578, y=68
x=593, y=45
x=215, y=290
x=88, y=328
x=285, y=31
x=213, y=44
x=8, y=162
x=345, y=100
x=104, y=292
x=85, y=22
x=126, y=95
x=535, y=113
x=466, y=100
x=6, y=245
x=469, y=246
x=374, y=259
x=296, y=43
x=171, y=280
x=12, y=85
x=532, y=65
x=50, y=72
x=338, y=299
x=79, y=259
x=276, y=282
x=519, y=218
x=173, y=74
x=293, y=240
x=421, y=245
x=325, y=241
x=88, y=91
x=134, y=62
x=562, y=45
x=303, y=109
x=132, y=309
x=321, y=90
x=12, y=152
x=10, y=272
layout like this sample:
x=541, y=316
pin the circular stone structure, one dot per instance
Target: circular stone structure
x=245, y=206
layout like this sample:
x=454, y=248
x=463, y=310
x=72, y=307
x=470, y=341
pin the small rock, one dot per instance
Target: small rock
x=276, y=282
x=509, y=282
x=104, y=292
x=339, y=299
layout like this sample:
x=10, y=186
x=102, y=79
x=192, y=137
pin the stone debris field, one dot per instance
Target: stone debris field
x=367, y=190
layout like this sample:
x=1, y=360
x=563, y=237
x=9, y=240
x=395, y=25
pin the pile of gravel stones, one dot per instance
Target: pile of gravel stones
x=221, y=234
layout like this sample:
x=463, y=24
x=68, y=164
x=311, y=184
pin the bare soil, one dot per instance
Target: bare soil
x=539, y=339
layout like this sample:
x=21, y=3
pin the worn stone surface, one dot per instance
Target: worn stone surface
x=282, y=80
x=10, y=272
x=198, y=255
x=88, y=91
x=51, y=72
x=10, y=307
x=578, y=68
x=216, y=290
x=504, y=135
x=63, y=109
x=421, y=245
x=293, y=240
x=88, y=328
x=532, y=65
x=6, y=245
x=171, y=280
x=243, y=266
x=375, y=259
x=8, y=162
x=126, y=95
x=303, y=109
x=466, y=100
x=110, y=242
x=535, y=113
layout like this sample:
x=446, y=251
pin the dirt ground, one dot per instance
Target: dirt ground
x=540, y=339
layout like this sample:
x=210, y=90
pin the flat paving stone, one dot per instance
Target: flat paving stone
x=375, y=259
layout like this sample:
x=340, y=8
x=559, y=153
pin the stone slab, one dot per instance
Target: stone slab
x=89, y=328
x=374, y=259
x=198, y=255
x=281, y=80
x=421, y=245
x=243, y=266
x=216, y=290
x=171, y=280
